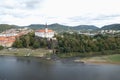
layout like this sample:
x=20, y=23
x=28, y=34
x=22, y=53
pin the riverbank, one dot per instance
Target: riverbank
x=25, y=52
x=106, y=59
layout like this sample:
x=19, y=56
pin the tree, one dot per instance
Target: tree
x=1, y=47
x=36, y=44
x=27, y=40
x=18, y=43
x=77, y=43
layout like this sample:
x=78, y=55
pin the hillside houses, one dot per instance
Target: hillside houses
x=109, y=31
x=8, y=37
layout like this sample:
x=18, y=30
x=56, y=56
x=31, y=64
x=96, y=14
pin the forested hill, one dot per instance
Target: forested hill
x=84, y=27
x=112, y=26
x=4, y=27
x=61, y=28
x=56, y=27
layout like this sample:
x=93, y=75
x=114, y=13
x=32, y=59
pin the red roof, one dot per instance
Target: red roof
x=42, y=30
x=7, y=39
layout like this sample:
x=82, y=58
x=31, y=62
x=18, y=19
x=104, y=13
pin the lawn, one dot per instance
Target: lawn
x=114, y=58
x=25, y=52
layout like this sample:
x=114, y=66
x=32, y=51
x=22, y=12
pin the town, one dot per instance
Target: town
x=8, y=37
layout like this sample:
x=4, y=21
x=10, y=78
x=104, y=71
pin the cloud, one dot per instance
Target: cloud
x=20, y=4
x=19, y=12
x=69, y=12
x=98, y=20
x=94, y=18
x=107, y=17
x=19, y=8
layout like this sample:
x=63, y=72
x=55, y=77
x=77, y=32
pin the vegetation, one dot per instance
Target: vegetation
x=4, y=27
x=112, y=27
x=25, y=52
x=30, y=41
x=63, y=28
x=82, y=45
x=1, y=47
x=114, y=59
x=73, y=44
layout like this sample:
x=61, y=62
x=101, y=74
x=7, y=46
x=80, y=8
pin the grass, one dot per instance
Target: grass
x=114, y=59
x=25, y=52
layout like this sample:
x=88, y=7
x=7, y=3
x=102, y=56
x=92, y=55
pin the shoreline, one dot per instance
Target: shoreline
x=25, y=52
x=46, y=53
x=99, y=60
x=74, y=60
x=82, y=61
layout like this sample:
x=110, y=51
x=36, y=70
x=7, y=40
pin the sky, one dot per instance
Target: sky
x=66, y=12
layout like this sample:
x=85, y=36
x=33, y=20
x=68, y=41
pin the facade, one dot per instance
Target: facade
x=8, y=34
x=109, y=31
x=45, y=33
x=7, y=41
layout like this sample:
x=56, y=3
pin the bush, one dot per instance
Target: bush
x=1, y=47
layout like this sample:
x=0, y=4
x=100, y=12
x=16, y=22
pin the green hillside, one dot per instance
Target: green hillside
x=84, y=27
x=63, y=28
x=112, y=26
x=4, y=27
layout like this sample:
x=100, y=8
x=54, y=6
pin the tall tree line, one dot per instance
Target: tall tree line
x=31, y=41
x=69, y=43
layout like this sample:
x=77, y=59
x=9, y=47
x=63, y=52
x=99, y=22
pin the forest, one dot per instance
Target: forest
x=72, y=44
x=82, y=45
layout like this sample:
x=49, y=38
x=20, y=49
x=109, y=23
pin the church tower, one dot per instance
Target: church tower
x=46, y=28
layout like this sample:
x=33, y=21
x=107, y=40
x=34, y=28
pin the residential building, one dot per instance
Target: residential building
x=8, y=37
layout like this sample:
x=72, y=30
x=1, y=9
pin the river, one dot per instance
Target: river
x=30, y=68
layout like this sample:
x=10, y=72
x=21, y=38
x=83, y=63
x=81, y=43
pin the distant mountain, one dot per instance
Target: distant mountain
x=85, y=27
x=112, y=26
x=61, y=28
x=35, y=26
x=4, y=27
x=56, y=27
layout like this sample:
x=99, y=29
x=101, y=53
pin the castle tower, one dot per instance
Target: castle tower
x=46, y=28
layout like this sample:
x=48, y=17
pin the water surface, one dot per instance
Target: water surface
x=29, y=68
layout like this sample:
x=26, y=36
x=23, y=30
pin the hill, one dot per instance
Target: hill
x=62, y=28
x=56, y=27
x=4, y=27
x=112, y=26
x=85, y=27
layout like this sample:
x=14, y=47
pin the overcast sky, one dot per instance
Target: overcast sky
x=67, y=12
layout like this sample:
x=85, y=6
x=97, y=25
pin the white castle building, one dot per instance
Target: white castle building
x=45, y=33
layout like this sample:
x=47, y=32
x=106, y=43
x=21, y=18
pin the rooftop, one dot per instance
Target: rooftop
x=43, y=30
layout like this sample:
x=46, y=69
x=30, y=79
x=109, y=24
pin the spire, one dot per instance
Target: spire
x=46, y=25
x=46, y=28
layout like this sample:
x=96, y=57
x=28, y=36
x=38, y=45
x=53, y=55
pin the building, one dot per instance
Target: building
x=7, y=41
x=8, y=37
x=45, y=33
x=109, y=31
